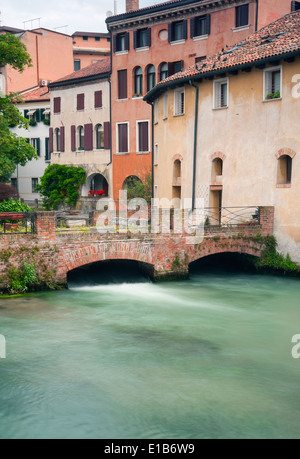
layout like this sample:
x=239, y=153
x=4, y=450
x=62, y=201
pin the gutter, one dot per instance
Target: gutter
x=110, y=108
x=154, y=93
x=152, y=150
x=195, y=143
x=256, y=18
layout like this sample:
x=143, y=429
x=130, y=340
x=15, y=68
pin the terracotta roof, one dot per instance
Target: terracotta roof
x=99, y=68
x=279, y=38
x=36, y=94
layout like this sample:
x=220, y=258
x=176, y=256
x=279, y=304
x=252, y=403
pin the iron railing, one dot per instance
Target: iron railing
x=232, y=216
x=17, y=223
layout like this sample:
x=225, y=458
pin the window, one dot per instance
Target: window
x=142, y=38
x=98, y=99
x=285, y=167
x=57, y=105
x=99, y=137
x=138, y=82
x=122, y=84
x=166, y=105
x=221, y=93
x=80, y=102
x=179, y=102
x=143, y=136
x=34, y=183
x=177, y=31
x=217, y=171
x=57, y=139
x=242, y=16
x=81, y=137
x=97, y=38
x=175, y=67
x=295, y=6
x=47, y=150
x=77, y=65
x=122, y=141
x=151, y=77
x=14, y=183
x=200, y=26
x=156, y=112
x=156, y=154
x=85, y=38
x=36, y=144
x=121, y=42
x=272, y=83
x=164, y=73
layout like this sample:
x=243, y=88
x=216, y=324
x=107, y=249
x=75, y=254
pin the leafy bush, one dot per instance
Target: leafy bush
x=274, y=261
x=7, y=192
x=21, y=279
x=60, y=185
x=14, y=206
x=136, y=188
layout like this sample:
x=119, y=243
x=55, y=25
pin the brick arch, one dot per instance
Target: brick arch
x=286, y=152
x=177, y=158
x=218, y=155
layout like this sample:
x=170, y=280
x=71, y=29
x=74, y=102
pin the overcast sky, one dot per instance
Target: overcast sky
x=84, y=15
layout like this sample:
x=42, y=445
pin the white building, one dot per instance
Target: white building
x=35, y=107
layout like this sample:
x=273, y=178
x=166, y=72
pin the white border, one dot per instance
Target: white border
x=117, y=135
x=137, y=137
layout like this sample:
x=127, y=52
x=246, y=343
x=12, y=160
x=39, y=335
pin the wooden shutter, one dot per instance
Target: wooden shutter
x=193, y=27
x=135, y=39
x=88, y=137
x=127, y=41
x=62, y=139
x=57, y=105
x=42, y=114
x=115, y=43
x=73, y=138
x=51, y=140
x=38, y=147
x=107, y=135
x=185, y=35
x=170, y=33
x=171, y=68
x=143, y=136
x=98, y=99
x=148, y=37
x=123, y=138
x=122, y=83
x=80, y=101
x=208, y=24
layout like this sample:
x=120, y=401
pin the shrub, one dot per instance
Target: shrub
x=7, y=192
x=14, y=206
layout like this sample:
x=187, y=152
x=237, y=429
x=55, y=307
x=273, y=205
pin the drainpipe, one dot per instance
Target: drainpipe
x=256, y=19
x=152, y=122
x=37, y=61
x=195, y=143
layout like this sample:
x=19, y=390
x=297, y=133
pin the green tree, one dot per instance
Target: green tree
x=14, y=150
x=60, y=185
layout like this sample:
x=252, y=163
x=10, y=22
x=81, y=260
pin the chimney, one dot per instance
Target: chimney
x=132, y=5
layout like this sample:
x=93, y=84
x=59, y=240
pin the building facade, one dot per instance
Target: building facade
x=150, y=44
x=89, y=48
x=35, y=107
x=226, y=131
x=80, y=127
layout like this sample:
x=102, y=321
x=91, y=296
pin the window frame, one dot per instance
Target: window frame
x=128, y=138
x=266, y=73
x=217, y=105
x=101, y=138
x=138, y=81
x=138, y=152
x=238, y=16
x=33, y=188
x=150, y=75
x=122, y=72
x=76, y=61
x=178, y=93
x=289, y=171
x=80, y=136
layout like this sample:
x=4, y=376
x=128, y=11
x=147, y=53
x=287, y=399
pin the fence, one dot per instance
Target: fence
x=17, y=223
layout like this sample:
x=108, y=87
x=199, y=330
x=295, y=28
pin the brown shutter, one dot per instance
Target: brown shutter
x=73, y=138
x=107, y=135
x=80, y=101
x=123, y=138
x=98, y=99
x=143, y=137
x=62, y=139
x=171, y=68
x=122, y=83
x=51, y=140
x=88, y=137
x=57, y=105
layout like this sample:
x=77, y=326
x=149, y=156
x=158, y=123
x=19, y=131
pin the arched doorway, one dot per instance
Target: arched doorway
x=95, y=183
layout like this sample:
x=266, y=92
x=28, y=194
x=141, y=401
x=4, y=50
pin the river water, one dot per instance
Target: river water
x=204, y=358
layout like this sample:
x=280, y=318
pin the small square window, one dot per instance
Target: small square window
x=179, y=102
x=85, y=38
x=221, y=93
x=97, y=38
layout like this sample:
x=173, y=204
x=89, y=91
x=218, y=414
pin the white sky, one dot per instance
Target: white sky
x=84, y=15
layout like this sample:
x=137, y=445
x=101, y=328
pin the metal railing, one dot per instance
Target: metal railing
x=17, y=223
x=232, y=216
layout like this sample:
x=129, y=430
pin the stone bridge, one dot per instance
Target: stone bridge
x=162, y=256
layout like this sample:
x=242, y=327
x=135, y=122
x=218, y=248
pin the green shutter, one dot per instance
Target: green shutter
x=25, y=113
x=38, y=147
x=42, y=114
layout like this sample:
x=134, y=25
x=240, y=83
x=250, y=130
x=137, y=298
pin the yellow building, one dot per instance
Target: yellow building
x=227, y=130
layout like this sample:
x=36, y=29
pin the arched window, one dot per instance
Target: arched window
x=217, y=170
x=99, y=136
x=57, y=139
x=151, y=77
x=285, y=168
x=133, y=186
x=81, y=138
x=138, y=82
x=164, y=73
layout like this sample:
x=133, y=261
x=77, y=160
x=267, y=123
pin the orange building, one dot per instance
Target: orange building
x=150, y=44
x=89, y=48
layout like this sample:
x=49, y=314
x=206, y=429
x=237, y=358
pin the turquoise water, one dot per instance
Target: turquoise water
x=205, y=358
